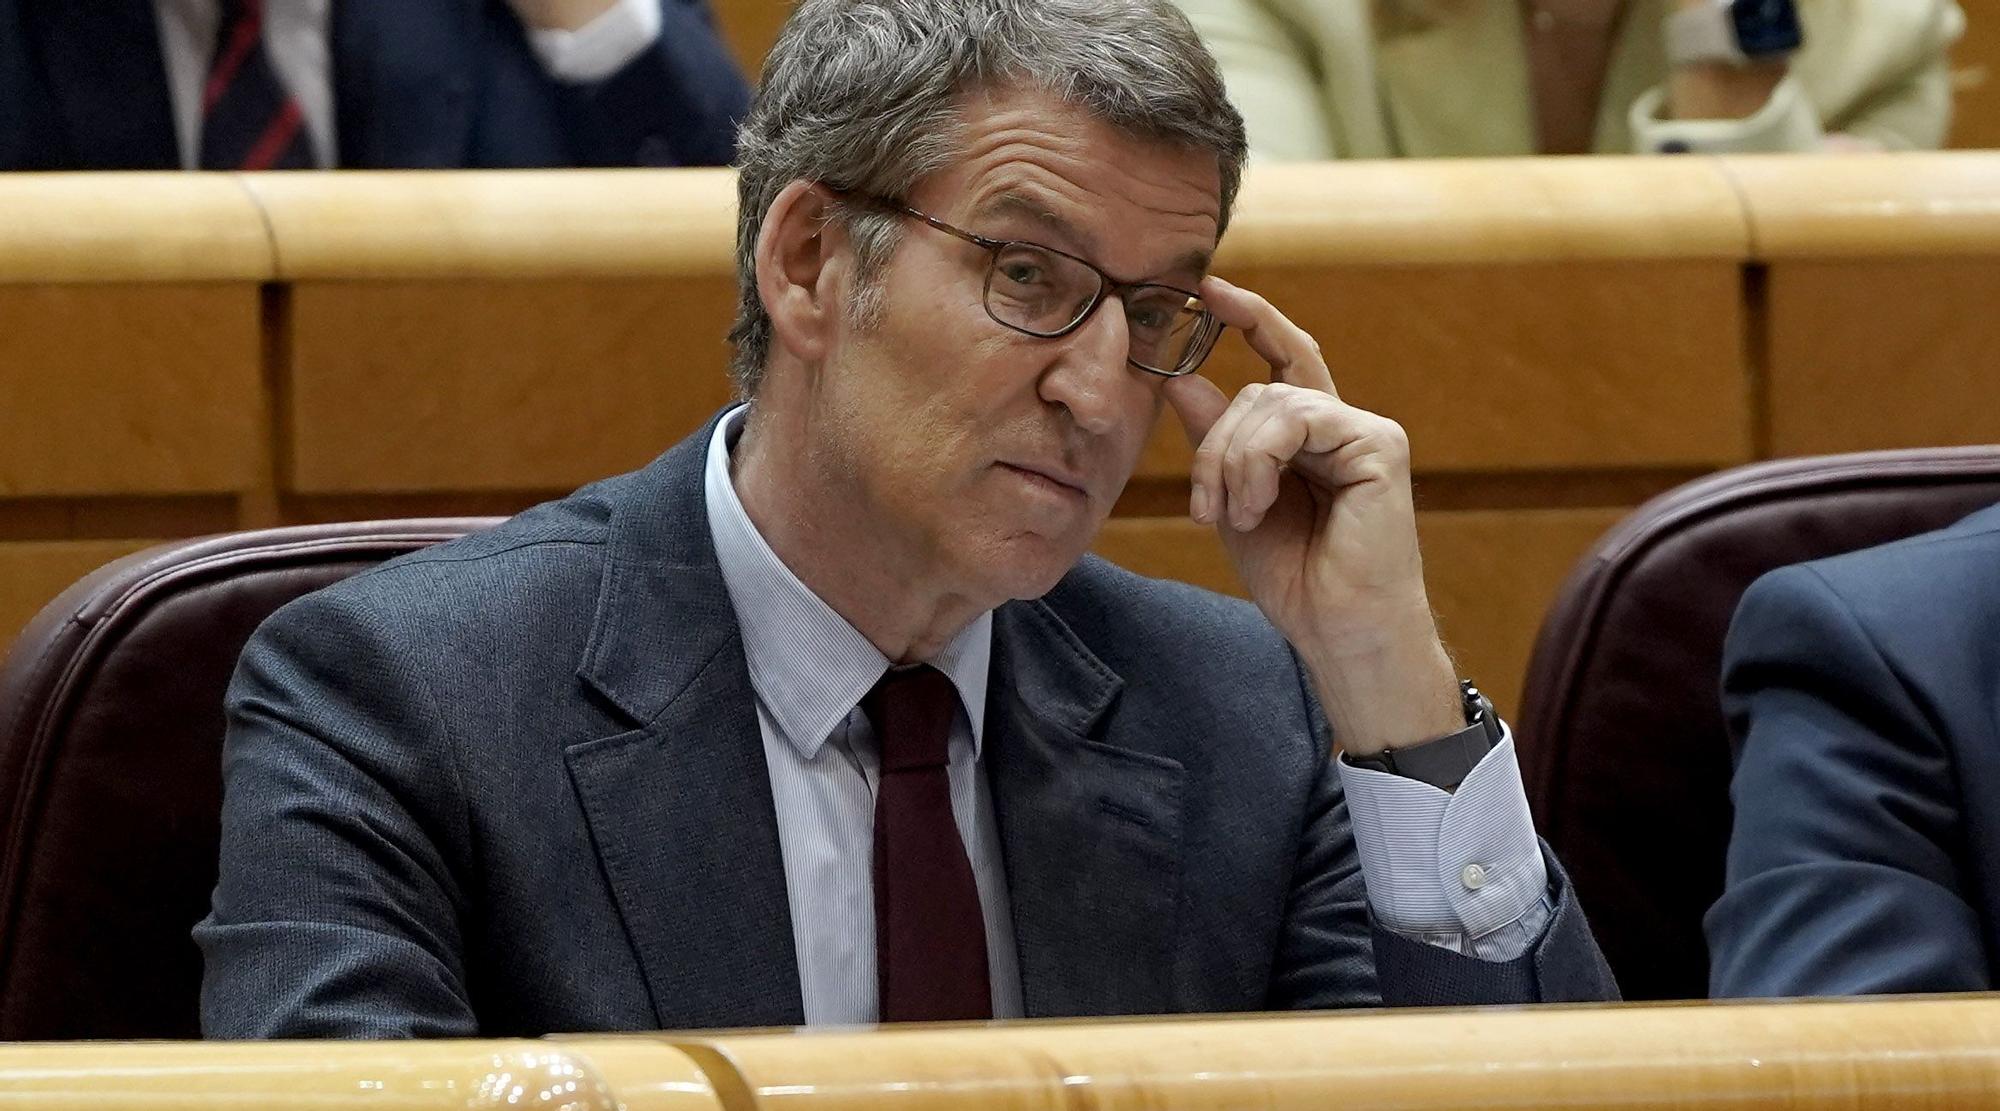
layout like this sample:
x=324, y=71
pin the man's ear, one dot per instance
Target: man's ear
x=797, y=268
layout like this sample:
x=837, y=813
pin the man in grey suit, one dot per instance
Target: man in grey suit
x=825, y=715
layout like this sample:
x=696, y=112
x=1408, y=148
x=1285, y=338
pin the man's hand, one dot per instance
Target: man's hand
x=559, y=15
x=1312, y=498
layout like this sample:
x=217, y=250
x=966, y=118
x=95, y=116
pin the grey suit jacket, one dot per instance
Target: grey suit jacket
x=514, y=784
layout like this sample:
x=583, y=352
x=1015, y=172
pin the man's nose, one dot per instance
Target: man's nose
x=1089, y=373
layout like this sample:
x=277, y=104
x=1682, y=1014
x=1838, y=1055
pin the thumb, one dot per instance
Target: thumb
x=1198, y=402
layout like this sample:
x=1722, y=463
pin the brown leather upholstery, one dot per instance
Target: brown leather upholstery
x=1622, y=739
x=110, y=782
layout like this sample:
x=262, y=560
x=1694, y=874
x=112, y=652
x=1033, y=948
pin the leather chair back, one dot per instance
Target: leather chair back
x=110, y=779
x=1621, y=735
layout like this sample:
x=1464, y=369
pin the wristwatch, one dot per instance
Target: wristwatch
x=1446, y=761
x=1733, y=32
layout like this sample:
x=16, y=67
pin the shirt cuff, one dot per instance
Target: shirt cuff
x=600, y=48
x=1448, y=867
x=1786, y=123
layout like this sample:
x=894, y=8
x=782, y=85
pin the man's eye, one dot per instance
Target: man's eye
x=1150, y=316
x=1022, y=273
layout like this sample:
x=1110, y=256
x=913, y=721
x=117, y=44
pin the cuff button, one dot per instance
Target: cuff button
x=1473, y=877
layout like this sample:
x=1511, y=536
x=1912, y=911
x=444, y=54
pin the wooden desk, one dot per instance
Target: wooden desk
x=1891, y=1055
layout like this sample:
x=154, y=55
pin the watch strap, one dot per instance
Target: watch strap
x=1445, y=761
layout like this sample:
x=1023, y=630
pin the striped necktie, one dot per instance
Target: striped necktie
x=249, y=121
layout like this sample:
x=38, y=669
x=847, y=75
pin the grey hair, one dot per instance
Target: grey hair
x=866, y=95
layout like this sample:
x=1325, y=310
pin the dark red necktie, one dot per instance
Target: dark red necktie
x=930, y=941
x=249, y=121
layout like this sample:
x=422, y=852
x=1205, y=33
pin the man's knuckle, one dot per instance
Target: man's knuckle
x=1394, y=438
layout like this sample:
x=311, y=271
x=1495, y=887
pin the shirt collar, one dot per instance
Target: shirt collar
x=808, y=666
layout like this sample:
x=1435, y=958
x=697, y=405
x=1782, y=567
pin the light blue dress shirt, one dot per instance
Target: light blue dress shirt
x=1463, y=870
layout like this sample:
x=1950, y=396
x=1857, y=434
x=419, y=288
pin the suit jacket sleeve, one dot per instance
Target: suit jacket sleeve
x=676, y=104
x=336, y=912
x=1324, y=957
x=1883, y=71
x=1841, y=876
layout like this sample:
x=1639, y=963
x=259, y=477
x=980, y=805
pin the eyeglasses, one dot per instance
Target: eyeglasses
x=1048, y=293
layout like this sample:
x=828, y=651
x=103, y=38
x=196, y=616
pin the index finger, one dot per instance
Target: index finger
x=1290, y=350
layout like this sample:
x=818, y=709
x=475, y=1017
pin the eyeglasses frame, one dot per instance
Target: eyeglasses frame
x=1208, y=329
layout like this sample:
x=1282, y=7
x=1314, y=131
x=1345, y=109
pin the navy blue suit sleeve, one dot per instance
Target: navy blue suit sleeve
x=1324, y=958
x=1841, y=875
x=676, y=104
x=1565, y=966
x=336, y=912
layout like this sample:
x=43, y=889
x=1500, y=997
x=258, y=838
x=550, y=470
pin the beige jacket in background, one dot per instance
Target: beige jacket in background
x=1317, y=79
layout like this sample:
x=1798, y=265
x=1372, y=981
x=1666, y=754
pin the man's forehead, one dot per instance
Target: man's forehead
x=1021, y=202
x=1029, y=153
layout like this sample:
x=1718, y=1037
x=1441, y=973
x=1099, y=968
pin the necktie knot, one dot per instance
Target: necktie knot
x=911, y=709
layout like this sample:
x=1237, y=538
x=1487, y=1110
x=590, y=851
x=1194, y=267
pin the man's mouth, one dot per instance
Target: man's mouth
x=1055, y=479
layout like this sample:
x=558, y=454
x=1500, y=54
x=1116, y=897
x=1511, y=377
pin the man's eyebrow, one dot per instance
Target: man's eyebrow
x=1020, y=204
x=1195, y=261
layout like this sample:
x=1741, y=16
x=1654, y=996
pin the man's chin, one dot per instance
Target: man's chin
x=1029, y=590
x=1029, y=565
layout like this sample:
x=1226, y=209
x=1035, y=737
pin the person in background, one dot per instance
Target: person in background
x=1863, y=694
x=1447, y=78
x=299, y=84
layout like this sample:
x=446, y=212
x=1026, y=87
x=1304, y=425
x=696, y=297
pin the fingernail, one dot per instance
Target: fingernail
x=1198, y=504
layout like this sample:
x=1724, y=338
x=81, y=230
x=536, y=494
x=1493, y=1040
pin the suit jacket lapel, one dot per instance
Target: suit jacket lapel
x=680, y=805
x=1090, y=831
x=403, y=78
x=1458, y=86
x=110, y=84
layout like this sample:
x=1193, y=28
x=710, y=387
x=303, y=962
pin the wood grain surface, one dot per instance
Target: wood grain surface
x=1883, y=353
x=1877, y=1056
x=129, y=388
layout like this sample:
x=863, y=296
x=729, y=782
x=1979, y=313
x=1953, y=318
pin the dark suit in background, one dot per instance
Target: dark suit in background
x=1863, y=692
x=515, y=784
x=433, y=84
